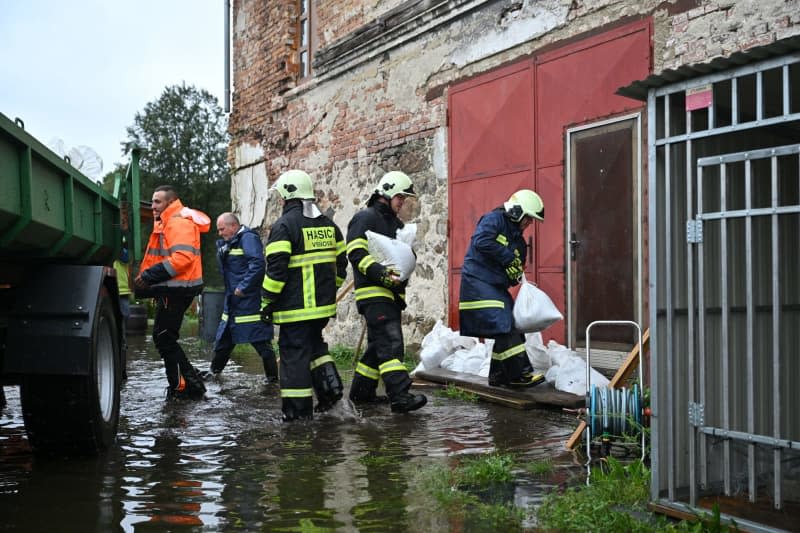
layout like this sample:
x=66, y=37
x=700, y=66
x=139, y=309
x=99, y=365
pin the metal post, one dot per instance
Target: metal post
x=723, y=260
x=776, y=330
x=751, y=417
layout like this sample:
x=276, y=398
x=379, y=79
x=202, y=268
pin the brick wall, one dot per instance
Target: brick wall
x=387, y=110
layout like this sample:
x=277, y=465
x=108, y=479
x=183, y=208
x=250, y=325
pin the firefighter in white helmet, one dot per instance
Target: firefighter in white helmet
x=494, y=262
x=306, y=264
x=380, y=297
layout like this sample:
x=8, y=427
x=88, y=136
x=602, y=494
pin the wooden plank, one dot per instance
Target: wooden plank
x=631, y=363
x=543, y=395
x=576, y=436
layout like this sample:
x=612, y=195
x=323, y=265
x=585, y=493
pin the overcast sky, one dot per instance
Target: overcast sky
x=79, y=70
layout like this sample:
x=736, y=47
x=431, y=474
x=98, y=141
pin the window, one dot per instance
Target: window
x=304, y=40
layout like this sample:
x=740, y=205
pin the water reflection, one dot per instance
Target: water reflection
x=229, y=463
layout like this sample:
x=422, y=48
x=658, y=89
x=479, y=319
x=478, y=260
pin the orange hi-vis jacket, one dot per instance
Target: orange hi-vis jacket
x=175, y=244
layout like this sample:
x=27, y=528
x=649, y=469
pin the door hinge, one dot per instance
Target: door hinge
x=697, y=415
x=694, y=231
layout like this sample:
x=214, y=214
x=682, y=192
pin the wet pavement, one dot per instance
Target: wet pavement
x=229, y=464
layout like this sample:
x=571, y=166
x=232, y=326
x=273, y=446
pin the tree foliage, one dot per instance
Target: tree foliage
x=184, y=139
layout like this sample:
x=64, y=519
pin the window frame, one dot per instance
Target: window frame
x=305, y=17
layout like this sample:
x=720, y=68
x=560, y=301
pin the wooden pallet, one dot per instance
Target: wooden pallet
x=622, y=376
x=541, y=396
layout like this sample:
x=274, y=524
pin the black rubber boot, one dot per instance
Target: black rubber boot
x=526, y=380
x=195, y=388
x=327, y=385
x=405, y=402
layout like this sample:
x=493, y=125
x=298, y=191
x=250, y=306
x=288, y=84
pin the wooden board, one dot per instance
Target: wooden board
x=541, y=396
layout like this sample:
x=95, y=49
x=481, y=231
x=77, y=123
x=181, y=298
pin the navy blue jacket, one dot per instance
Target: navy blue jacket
x=241, y=261
x=485, y=305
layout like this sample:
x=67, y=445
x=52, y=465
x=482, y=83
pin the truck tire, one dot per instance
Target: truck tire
x=78, y=414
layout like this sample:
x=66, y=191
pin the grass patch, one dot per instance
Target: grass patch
x=478, y=491
x=454, y=393
x=617, y=500
x=542, y=468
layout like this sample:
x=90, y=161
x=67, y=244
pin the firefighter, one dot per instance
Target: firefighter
x=172, y=273
x=380, y=297
x=306, y=264
x=495, y=262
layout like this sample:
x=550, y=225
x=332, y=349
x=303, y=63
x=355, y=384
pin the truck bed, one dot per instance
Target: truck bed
x=49, y=211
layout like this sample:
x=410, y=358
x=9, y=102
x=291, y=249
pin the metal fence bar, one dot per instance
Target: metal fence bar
x=701, y=332
x=722, y=130
x=670, y=414
x=759, y=95
x=776, y=370
x=751, y=438
x=743, y=213
x=690, y=326
x=761, y=153
x=734, y=102
x=785, y=80
x=652, y=231
x=751, y=417
x=725, y=338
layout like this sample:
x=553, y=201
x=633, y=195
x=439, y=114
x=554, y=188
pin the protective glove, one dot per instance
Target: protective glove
x=514, y=270
x=267, y=306
x=390, y=279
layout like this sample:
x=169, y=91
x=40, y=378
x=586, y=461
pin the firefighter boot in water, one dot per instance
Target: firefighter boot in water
x=327, y=385
x=405, y=402
x=195, y=388
x=527, y=379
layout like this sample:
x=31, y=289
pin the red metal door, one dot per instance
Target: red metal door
x=491, y=155
x=507, y=131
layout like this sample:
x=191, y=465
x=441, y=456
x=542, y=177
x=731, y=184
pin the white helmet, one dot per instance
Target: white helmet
x=294, y=184
x=523, y=203
x=394, y=183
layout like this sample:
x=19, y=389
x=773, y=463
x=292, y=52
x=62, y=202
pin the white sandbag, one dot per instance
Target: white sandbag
x=407, y=234
x=558, y=353
x=440, y=342
x=537, y=352
x=473, y=359
x=533, y=309
x=392, y=253
x=571, y=376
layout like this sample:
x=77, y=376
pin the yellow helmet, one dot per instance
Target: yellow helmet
x=394, y=183
x=294, y=184
x=523, y=203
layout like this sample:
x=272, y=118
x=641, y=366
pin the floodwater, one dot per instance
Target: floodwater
x=229, y=464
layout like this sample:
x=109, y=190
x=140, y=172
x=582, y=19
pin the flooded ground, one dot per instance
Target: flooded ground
x=229, y=464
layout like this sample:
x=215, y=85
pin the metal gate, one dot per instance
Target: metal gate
x=724, y=277
x=745, y=240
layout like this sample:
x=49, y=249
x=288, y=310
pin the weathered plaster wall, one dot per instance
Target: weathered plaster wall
x=348, y=127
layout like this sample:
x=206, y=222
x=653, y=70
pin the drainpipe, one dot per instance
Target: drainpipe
x=227, y=105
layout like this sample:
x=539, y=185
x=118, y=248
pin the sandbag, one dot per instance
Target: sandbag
x=392, y=253
x=533, y=309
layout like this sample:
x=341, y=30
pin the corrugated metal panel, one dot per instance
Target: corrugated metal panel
x=638, y=89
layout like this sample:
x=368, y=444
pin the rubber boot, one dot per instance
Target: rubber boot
x=327, y=385
x=405, y=402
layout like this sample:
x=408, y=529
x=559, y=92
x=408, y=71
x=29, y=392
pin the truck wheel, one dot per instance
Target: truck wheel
x=78, y=414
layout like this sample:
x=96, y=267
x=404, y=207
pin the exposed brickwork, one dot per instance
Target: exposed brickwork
x=388, y=111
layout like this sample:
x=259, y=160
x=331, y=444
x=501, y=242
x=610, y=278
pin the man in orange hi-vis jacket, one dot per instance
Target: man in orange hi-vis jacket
x=172, y=273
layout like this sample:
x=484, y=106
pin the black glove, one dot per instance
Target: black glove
x=390, y=279
x=266, y=311
x=514, y=270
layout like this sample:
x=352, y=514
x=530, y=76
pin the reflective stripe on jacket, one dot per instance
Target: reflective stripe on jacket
x=241, y=262
x=306, y=263
x=175, y=242
x=485, y=307
x=379, y=218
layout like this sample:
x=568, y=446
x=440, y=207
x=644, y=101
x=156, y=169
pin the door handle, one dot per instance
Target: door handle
x=530, y=250
x=574, y=243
